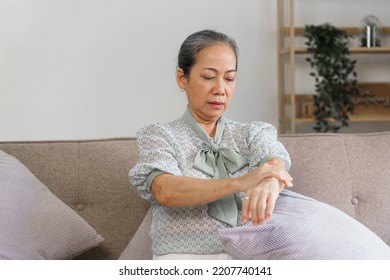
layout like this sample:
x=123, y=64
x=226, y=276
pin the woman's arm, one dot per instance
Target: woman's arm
x=177, y=191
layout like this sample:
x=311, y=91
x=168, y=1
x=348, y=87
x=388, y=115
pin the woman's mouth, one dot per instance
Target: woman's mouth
x=216, y=104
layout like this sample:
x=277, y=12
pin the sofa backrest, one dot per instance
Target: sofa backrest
x=91, y=177
x=348, y=171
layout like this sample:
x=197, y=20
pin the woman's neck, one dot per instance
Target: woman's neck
x=210, y=128
x=209, y=125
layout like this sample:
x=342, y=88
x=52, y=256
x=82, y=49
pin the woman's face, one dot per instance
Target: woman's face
x=211, y=82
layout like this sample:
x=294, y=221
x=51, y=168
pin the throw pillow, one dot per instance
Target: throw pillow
x=34, y=223
x=140, y=246
x=302, y=228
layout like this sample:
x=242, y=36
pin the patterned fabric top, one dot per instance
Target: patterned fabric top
x=171, y=148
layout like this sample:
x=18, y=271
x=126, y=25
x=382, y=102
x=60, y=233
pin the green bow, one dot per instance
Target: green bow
x=218, y=161
x=215, y=161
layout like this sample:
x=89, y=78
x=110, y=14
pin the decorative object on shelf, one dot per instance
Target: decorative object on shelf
x=334, y=74
x=373, y=99
x=370, y=33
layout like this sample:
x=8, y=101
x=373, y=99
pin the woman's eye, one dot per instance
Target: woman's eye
x=230, y=79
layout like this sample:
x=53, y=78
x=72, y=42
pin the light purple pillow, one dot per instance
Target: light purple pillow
x=34, y=223
x=302, y=228
x=140, y=246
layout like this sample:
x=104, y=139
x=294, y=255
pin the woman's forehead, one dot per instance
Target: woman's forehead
x=211, y=57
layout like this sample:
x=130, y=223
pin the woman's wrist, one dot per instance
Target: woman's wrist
x=235, y=185
x=280, y=183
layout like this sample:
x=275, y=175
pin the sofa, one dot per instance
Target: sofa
x=348, y=171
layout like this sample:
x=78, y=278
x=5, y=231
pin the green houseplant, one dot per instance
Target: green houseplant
x=334, y=73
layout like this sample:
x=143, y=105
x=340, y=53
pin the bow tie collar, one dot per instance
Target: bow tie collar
x=214, y=159
x=217, y=161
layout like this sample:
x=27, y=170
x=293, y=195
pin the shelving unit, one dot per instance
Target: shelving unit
x=289, y=99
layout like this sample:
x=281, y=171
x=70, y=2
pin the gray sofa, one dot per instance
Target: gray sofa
x=348, y=171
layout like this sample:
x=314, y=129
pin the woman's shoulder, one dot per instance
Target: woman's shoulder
x=249, y=127
x=156, y=129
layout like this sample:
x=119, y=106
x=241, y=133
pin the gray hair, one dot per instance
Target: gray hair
x=198, y=41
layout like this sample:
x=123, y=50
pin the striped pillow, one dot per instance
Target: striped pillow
x=140, y=246
x=302, y=228
x=34, y=223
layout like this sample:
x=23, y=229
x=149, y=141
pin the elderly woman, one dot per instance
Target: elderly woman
x=179, y=159
x=203, y=173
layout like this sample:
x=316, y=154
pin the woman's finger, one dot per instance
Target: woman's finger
x=277, y=173
x=245, y=209
x=259, y=209
x=271, y=204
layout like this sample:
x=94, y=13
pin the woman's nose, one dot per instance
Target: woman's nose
x=219, y=88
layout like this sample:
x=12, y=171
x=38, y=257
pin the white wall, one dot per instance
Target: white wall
x=98, y=68
x=72, y=69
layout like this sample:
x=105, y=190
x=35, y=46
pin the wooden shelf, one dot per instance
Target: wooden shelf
x=350, y=30
x=359, y=50
x=293, y=107
x=353, y=118
x=298, y=31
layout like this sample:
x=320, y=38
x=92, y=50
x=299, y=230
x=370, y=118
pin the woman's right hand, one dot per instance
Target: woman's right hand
x=266, y=170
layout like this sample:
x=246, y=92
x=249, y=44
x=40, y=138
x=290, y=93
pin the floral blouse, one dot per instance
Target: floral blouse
x=171, y=148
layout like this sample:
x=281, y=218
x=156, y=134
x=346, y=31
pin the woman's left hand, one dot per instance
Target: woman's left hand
x=260, y=201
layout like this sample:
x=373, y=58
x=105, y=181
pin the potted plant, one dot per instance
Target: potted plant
x=334, y=73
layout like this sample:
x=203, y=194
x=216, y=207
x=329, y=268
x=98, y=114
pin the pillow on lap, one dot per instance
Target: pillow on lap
x=140, y=246
x=34, y=223
x=302, y=228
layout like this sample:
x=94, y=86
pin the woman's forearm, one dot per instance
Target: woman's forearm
x=176, y=191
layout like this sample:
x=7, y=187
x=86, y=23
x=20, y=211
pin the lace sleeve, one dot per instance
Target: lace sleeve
x=156, y=156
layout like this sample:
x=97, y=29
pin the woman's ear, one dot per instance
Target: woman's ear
x=181, y=78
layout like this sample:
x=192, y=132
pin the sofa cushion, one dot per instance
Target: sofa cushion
x=140, y=246
x=302, y=228
x=320, y=168
x=369, y=163
x=348, y=171
x=35, y=224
